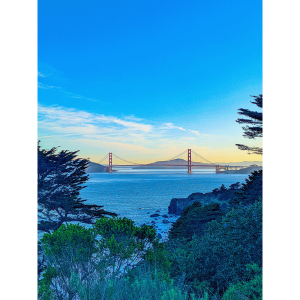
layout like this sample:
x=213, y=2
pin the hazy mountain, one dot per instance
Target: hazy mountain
x=183, y=162
x=177, y=161
x=96, y=168
x=174, y=162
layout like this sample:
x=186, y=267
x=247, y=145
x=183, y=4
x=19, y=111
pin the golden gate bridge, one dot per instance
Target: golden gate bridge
x=189, y=163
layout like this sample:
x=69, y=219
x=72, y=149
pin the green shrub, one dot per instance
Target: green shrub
x=250, y=192
x=44, y=287
x=250, y=289
x=124, y=243
x=193, y=220
x=221, y=255
x=174, y=294
x=144, y=286
x=85, y=262
x=147, y=287
x=70, y=249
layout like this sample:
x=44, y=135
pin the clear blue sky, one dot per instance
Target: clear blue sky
x=148, y=78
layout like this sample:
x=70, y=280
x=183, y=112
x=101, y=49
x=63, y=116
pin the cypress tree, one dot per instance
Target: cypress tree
x=61, y=177
x=254, y=127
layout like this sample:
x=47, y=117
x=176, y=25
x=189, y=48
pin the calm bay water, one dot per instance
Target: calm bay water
x=136, y=194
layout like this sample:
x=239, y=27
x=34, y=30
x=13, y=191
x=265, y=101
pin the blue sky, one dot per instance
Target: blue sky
x=148, y=79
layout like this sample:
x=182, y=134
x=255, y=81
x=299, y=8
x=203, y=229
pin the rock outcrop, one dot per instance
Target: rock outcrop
x=178, y=204
x=154, y=215
x=193, y=220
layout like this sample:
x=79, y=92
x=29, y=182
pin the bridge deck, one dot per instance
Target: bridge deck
x=211, y=166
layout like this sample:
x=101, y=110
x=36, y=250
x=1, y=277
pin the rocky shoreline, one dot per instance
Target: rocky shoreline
x=163, y=219
x=178, y=204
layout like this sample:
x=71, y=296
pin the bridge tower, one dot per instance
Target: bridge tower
x=189, y=161
x=110, y=162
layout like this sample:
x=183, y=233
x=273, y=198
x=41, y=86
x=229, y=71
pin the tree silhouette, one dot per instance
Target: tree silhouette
x=61, y=177
x=254, y=127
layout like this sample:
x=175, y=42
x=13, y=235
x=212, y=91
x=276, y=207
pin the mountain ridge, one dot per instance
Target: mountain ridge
x=179, y=161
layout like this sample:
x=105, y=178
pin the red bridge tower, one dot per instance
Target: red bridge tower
x=110, y=163
x=189, y=161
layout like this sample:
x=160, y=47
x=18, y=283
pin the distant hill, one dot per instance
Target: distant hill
x=96, y=168
x=179, y=161
x=174, y=162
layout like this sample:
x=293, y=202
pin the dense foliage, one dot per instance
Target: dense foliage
x=220, y=256
x=211, y=249
x=250, y=288
x=250, y=192
x=113, y=260
x=193, y=220
x=61, y=177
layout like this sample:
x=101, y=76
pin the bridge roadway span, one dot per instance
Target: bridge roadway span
x=219, y=168
x=209, y=164
x=161, y=165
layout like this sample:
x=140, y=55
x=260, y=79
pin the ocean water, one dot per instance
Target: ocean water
x=136, y=194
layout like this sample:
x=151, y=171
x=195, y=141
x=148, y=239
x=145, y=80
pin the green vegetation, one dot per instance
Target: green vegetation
x=250, y=192
x=220, y=256
x=193, y=220
x=251, y=288
x=113, y=260
x=61, y=177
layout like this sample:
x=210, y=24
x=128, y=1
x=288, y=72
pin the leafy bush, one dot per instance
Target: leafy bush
x=44, y=287
x=85, y=262
x=149, y=288
x=193, y=220
x=144, y=285
x=124, y=243
x=250, y=289
x=221, y=255
x=69, y=250
x=250, y=192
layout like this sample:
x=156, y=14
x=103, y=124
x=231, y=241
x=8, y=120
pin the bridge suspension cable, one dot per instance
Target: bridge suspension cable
x=174, y=157
x=137, y=164
x=177, y=155
x=100, y=161
x=203, y=158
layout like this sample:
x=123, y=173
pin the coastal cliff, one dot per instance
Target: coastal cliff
x=237, y=193
x=218, y=195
